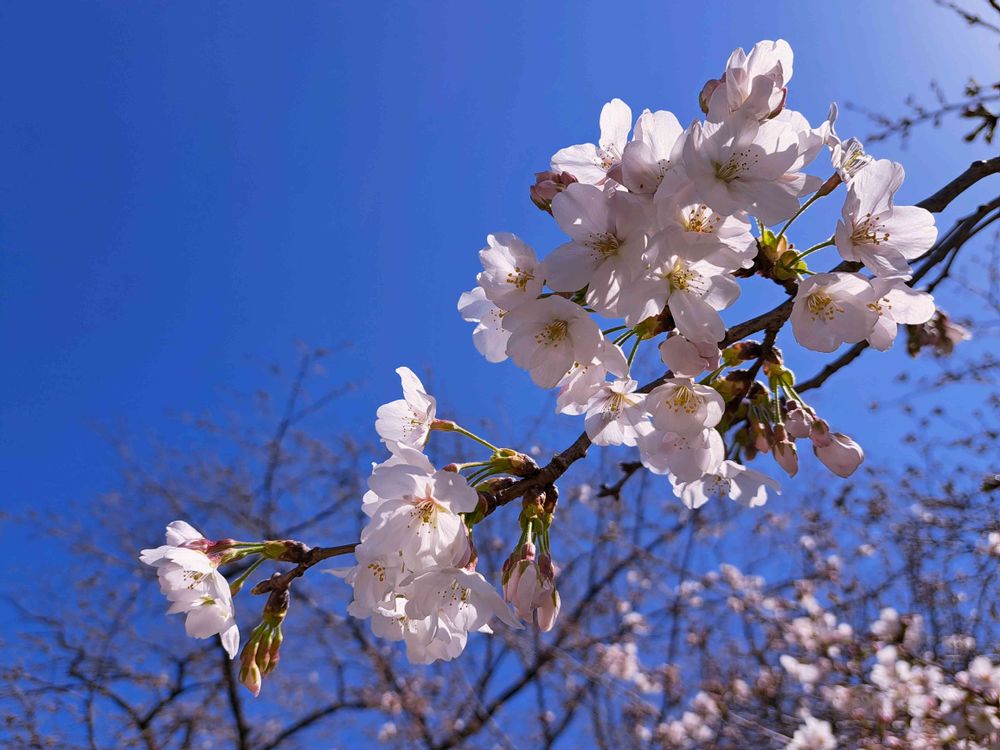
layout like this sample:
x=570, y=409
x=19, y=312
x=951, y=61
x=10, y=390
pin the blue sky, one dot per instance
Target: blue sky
x=188, y=188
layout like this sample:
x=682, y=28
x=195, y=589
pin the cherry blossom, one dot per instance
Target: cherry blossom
x=742, y=165
x=590, y=164
x=688, y=359
x=696, y=232
x=877, y=233
x=897, y=303
x=190, y=580
x=682, y=406
x=548, y=336
x=609, y=238
x=510, y=272
x=685, y=457
x=831, y=309
x=418, y=519
x=813, y=735
x=489, y=335
x=694, y=292
x=739, y=483
x=616, y=413
x=649, y=157
x=408, y=420
x=454, y=598
x=754, y=83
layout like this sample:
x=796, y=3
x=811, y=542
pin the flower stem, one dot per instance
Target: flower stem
x=612, y=330
x=815, y=197
x=237, y=584
x=472, y=436
x=635, y=348
x=814, y=248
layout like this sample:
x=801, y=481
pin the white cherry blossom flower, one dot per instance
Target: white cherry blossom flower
x=877, y=233
x=692, y=230
x=426, y=642
x=847, y=157
x=743, y=165
x=548, y=336
x=616, y=413
x=400, y=455
x=813, y=734
x=682, y=406
x=897, y=303
x=418, y=519
x=686, y=457
x=739, y=483
x=687, y=359
x=407, y=421
x=653, y=151
x=768, y=67
x=456, y=599
x=831, y=309
x=578, y=386
x=374, y=580
x=609, y=237
x=694, y=291
x=510, y=272
x=590, y=164
x=489, y=335
x=190, y=580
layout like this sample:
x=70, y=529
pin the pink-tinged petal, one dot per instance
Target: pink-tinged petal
x=616, y=122
x=582, y=161
x=695, y=318
x=569, y=267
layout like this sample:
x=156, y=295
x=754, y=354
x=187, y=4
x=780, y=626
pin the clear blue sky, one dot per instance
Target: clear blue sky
x=189, y=187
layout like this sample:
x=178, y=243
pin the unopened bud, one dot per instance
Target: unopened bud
x=547, y=186
x=705, y=96
x=733, y=386
x=831, y=184
x=743, y=351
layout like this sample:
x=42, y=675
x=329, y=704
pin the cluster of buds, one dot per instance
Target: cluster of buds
x=528, y=574
x=261, y=654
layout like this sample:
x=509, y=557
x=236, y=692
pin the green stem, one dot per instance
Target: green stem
x=612, y=330
x=707, y=380
x=237, y=584
x=814, y=248
x=815, y=197
x=472, y=436
x=635, y=348
x=624, y=337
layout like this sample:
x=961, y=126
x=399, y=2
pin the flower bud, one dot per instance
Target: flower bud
x=547, y=186
x=743, y=351
x=839, y=453
x=705, y=96
x=785, y=453
x=798, y=422
x=733, y=386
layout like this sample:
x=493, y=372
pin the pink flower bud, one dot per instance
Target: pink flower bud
x=548, y=611
x=707, y=90
x=839, y=453
x=785, y=454
x=547, y=186
x=798, y=422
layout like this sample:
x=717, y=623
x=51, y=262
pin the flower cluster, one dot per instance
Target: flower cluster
x=187, y=566
x=415, y=575
x=662, y=221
